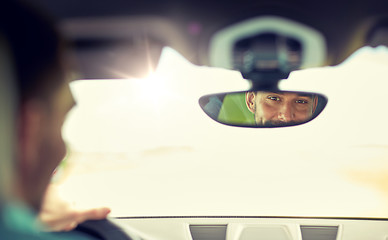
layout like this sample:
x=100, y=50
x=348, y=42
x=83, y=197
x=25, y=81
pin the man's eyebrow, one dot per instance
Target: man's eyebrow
x=277, y=93
x=285, y=93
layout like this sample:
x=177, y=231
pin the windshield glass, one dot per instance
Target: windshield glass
x=144, y=147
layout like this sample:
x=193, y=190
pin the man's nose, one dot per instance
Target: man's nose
x=286, y=114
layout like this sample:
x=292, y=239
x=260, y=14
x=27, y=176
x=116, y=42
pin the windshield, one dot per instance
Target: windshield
x=144, y=147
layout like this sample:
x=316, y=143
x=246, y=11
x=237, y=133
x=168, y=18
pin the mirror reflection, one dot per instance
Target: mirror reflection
x=263, y=108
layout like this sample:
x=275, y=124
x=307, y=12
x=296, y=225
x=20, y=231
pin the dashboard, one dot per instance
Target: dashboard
x=256, y=228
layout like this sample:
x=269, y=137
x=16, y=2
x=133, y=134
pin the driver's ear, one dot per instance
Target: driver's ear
x=250, y=101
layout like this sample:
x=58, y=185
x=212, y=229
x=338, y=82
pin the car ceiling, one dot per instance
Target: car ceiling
x=345, y=24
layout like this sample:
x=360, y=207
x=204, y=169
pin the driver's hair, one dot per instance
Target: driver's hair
x=36, y=48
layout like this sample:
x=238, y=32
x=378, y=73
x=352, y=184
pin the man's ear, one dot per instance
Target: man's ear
x=250, y=101
x=30, y=133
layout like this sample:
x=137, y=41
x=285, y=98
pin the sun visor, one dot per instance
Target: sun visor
x=114, y=48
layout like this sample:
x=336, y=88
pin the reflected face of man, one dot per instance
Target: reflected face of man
x=271, y=108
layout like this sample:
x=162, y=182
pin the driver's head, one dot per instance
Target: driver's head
x=43, y=98
x=272, y=108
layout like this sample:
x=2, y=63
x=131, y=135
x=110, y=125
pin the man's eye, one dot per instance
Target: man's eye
x=301, y=101
x=273, y=98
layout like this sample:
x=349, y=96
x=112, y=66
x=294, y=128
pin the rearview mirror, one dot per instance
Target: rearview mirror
x=263, y=109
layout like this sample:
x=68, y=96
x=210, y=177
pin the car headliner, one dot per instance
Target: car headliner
x=345, y=24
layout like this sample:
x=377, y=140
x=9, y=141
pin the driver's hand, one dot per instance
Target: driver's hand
x=58, y=214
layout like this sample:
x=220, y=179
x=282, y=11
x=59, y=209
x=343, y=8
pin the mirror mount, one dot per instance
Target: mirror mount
x=265, y=81
x=264, y=85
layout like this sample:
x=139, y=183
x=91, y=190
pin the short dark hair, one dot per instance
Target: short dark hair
x=36, y=47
